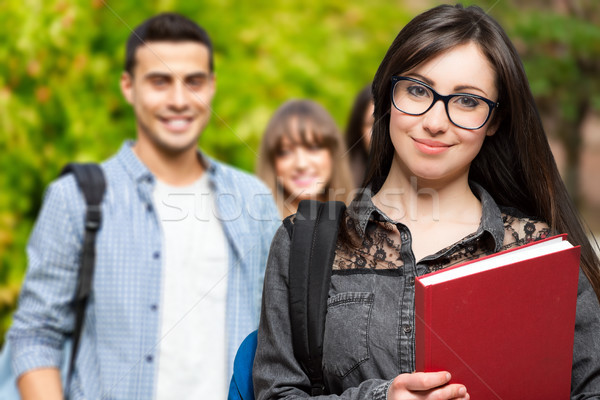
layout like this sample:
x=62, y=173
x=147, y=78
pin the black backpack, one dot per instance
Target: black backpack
x=91, y=182
x=314, y=236
x=313, y=239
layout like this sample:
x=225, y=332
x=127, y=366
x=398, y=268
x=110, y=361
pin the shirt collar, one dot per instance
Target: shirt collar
x=491, y=217
x=139, y=172
x=362, y=210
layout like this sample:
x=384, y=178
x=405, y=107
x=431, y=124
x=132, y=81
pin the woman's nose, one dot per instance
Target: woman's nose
x=436, y=120
x=301, y=157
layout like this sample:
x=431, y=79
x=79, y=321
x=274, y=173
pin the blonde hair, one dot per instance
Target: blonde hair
x=308, y=123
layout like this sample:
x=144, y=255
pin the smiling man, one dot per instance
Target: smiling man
x=180, y=256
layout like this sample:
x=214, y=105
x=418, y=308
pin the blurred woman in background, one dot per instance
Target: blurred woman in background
x=299, y=149
x=358, y=134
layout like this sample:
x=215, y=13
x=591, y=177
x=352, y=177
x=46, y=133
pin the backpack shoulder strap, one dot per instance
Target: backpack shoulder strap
x=289, y=225
x=90, y=179
x=312, y=252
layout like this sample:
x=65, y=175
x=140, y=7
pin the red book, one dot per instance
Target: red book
x=502, y=325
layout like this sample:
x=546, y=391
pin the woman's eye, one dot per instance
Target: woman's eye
x=284, y=152
x=418, y=91
x=467, y=101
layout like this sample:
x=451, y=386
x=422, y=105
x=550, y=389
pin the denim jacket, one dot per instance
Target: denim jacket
x=369, y=330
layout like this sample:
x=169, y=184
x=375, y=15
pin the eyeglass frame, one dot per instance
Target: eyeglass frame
x=444, y=98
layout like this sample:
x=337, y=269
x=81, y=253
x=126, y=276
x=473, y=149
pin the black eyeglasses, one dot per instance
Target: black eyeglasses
x=467, y=111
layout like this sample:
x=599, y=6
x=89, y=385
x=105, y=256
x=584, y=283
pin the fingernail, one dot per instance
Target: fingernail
x=448, y=376
x=462, y=391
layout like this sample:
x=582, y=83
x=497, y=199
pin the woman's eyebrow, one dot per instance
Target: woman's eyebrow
x=421, y=78
x=456, y=88
x=467, y=87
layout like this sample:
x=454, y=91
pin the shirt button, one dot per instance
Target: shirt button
x=153, y=307
x=149, y=207
x=149, y=358
x=407, y=328
x=156, y=255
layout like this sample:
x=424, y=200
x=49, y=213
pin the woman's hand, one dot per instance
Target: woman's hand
x=426, y=385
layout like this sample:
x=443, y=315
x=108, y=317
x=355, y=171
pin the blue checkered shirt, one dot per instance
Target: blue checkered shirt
x=120, y=339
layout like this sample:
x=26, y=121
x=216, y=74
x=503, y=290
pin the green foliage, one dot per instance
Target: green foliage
x=561, y=54
x=61, y=60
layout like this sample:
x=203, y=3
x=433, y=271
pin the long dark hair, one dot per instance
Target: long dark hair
x=355, y=142
x=515, y=165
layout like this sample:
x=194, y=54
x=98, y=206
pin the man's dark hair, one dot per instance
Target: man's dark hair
x=166, y=27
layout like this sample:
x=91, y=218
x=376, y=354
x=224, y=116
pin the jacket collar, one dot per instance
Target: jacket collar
x=362, y=210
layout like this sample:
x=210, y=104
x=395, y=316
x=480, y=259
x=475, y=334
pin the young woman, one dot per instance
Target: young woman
x=358, y=133
x=302, y=156
x=459, y=159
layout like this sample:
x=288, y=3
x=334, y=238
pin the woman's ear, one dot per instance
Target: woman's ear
x=493, y=125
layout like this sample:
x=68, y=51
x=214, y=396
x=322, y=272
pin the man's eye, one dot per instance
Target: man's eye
x=159, y=81
x=196, y=83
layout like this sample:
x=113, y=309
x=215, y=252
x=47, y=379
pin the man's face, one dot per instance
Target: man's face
x=171, y=92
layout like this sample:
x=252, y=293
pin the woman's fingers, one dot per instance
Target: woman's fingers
x=454, y=391
x=426, y=385
x=421, y=381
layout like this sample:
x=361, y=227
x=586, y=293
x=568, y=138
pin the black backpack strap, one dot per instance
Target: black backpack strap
x=312, y=252
x=90, y=179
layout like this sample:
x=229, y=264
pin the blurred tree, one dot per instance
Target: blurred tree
x=559, y=42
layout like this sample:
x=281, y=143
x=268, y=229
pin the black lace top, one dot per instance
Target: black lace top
x=378, y=243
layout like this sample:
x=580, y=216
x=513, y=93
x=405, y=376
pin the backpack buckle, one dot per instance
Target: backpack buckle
x=93, y=217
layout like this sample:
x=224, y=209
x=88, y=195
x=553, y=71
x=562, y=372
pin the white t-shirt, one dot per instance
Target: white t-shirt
x=192, y=355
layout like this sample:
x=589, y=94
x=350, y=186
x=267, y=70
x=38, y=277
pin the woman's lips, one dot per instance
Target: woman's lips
x=430, y=147
x=304, y=181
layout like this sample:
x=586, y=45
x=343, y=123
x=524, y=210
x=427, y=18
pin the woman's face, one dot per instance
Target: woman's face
x=304, y=171
x=429, y=146
x=367, y=128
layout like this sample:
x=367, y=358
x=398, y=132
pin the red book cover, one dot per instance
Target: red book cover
x=505, y=332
